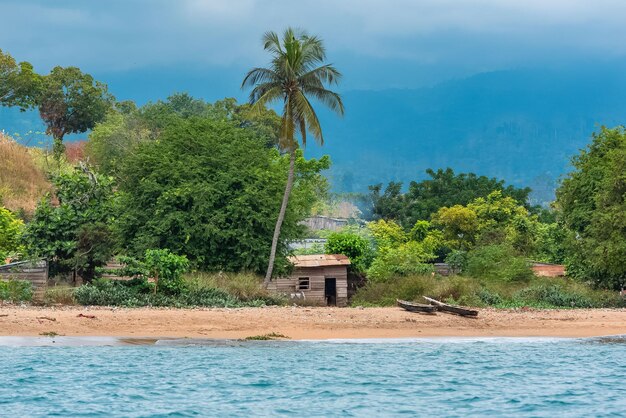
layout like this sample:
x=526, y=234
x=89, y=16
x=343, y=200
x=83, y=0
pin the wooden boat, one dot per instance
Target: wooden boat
x=458, y=310
x=416, y=307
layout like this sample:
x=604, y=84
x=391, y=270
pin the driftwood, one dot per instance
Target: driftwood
x=416, y=307
x=81, y=315
x=458, y=310
x=47, y=318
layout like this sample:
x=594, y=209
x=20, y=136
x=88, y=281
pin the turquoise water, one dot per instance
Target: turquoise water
x=498, y=377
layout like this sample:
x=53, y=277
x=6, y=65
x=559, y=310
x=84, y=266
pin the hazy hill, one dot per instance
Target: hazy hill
x=522, y=126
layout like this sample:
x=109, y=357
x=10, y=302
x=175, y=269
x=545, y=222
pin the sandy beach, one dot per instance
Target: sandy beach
x=306, y=322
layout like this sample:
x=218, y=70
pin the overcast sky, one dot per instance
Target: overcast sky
x=378, y=44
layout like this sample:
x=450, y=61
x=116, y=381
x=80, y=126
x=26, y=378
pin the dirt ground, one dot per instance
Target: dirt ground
x=306, y=323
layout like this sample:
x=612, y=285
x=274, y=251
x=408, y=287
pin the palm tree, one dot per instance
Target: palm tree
x=297, y=72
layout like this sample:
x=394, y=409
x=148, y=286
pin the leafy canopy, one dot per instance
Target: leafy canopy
x=444, y=188
x=11, y=229
x=74, y=234
x=210, y=190
x=296, y=73
x=71, y=102
x=591, y=203
x=19, y=84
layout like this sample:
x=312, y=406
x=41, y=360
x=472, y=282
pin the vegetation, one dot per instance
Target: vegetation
x=296, y=75
x=592, y=204
x=444, y=188
x=70, y=101
x=16, y=290
x=11, y=230
x=72, y=227
x=538, y=292
x=23, y=180
x=182, y=185
x=209, y=190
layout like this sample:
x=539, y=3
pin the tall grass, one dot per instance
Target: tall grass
x=22, y=181
x=243, y=286
x=540, y=292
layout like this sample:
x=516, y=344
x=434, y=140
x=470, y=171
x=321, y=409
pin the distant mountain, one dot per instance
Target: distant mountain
x=522, y=126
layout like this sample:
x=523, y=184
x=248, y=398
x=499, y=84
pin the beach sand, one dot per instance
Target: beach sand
x=305, y=322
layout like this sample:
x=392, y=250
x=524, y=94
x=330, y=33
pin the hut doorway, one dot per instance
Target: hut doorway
x=330, y=291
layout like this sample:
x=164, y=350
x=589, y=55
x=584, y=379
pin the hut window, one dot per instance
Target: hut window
x=304, y=283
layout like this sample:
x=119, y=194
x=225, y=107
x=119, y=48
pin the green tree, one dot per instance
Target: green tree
x=443, y=188
x=591, y=204
x=71, y=102
x=296, y=74
x=74, y=234
x=19, y=84
x=357, y=248
x=166, y=268
x=207, y=189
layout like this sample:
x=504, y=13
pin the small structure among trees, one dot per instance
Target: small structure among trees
x=319, y=279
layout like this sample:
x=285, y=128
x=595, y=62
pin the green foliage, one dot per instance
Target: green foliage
x=591, y=203
x=71, y=102
x=74, y=234
x=127, y=126
x=246, y=287
x=497, y=262
x=210, y=191
x=11, y=230
x=538, y=292
x=19, y=84
x=139, y=292
x=408, y=258
x=357, y=248
x=444, y=188
x=167, y=269
x=16, y=290
x=457, y=260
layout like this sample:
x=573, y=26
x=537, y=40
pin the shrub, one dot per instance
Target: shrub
x=406, y=259
x=139, y=292
x=16, y=290
x=355, y=247
x=167, y=269
x=497, y=262
x=63, y=295
x=244, y=286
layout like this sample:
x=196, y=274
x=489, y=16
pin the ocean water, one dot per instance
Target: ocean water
x=442, y=377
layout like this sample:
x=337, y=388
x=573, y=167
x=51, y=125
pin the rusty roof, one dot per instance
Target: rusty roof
x=319, y=260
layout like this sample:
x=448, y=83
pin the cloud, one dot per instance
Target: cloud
x=471, y=35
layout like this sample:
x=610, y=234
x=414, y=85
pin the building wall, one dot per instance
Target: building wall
x=35, y=272
x=317, y=284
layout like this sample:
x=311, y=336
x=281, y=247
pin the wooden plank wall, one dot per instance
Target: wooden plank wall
x=35, y=272
x=317, y=279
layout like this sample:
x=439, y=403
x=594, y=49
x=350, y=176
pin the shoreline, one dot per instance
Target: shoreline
x=304, y=323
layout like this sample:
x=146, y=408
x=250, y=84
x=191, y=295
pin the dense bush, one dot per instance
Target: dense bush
x=16, y=290
x=592, y=202
x=71, y=228
x=11, y=229
x=497, y=262
x=212, y=191
x=357, y=248
x=139, y=292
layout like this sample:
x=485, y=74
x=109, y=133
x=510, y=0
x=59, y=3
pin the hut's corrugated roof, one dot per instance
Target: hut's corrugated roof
x=319, y=260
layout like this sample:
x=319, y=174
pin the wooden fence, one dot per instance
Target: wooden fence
x=36, y=272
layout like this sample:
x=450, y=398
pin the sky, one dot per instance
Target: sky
x=145, y=49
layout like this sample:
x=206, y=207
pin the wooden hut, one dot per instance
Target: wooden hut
x=319, y=279
x=34, y=271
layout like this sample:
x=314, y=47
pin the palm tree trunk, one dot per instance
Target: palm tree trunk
x=281, y=218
